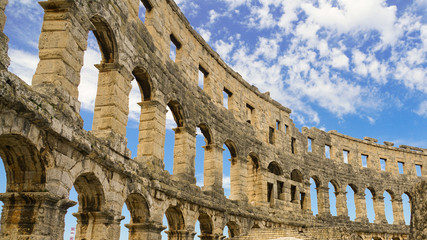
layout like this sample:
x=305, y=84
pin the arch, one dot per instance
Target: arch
x=296, y=176
x=138, y=208
x=274, y=168
x=388, y=206
x=24, y=166
x=90, y=193
x=233, y=229
x=206, y=224
x=406, y=204
x=314, y=195
x=177, y=112
x=254, y=160
x=106, y=40
x=333, y=190
x=145, y=83
x=373, y=192
x=370, y=207
x=351, y=190
x=231, y=147
x=175, y=219
x=207, y=133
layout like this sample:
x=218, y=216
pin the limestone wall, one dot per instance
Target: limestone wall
x=46, y=152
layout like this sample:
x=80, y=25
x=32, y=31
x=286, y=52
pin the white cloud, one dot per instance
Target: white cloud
x=422, y=109
x=226, y=182
x=89, y=75
x=23, y=64
x=223, y=48
x=206, y=34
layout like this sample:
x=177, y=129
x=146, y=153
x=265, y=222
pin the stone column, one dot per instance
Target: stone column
x=360, y=202
x=341, y=199
x=238, y=172
x=212, y=179
x=152, y=130
x=307, y=200
x=112, y=101
x=184, y=154
x=398, y=217
x=33, y=215
x=379, y=209
x=180, y=235
x=145, y=231
x=97, y=225
x=4, y=58
x=323, y=201
x=62, y=43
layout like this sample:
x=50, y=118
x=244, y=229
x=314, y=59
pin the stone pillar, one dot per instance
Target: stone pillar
x=323, y=201
x=180, y=235
x=4, y=58
x=97, y=225
x=145, y=231
x=341, y=199
x=112, y=101
x=398, y=217
x=379, y=209
x=307, y=200
x=212, y=178
x=238, y=172
x=360, y=202
x=62, y=43
x=33, y=215
x=152, y=130
x=184, y=154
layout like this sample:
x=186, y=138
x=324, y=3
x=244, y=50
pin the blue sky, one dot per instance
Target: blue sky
x=359, y=67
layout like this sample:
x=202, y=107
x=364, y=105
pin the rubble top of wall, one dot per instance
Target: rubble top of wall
x=374, y=142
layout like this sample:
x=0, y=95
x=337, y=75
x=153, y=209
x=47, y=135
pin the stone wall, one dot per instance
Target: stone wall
x=419, y=212
x=46, y=151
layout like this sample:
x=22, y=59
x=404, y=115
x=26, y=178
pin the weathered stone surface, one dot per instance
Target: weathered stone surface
x=419, y=212
x=46, y=152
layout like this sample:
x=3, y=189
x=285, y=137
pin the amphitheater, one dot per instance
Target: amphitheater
x=46, y=151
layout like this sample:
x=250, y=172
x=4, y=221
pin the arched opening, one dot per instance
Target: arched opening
x=369, y=198
x=174, y=122
x=406, y=202
x=205, y=153
x=296, y=195
x=229, y=160
x=388, y=206
x=205, y=226
x=144, y=83
x=332, y=198
x=314, y=184
x=274, y=168
x=135, y=209
x=25, y=172
x=231, y=229
x=101, y=49
x=296, y=176
x=91, y=200
x=175, y=223
x=141, y=115
x=252, y=178
x=351, y=205
x=70, y=220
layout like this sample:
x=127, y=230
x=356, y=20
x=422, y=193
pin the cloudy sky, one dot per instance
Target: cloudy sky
x=357, y=66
